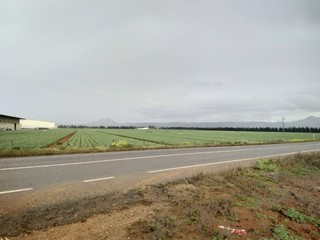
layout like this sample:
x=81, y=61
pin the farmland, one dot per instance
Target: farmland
x=31, y=139
x=87, y=138
x=207, y=137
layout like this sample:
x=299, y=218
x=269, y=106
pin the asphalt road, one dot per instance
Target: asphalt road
x=31, y=173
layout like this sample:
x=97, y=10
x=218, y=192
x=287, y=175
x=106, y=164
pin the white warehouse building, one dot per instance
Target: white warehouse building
x=35, y=124
x=11, y=123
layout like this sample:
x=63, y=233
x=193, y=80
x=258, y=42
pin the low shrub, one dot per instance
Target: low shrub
x=121, y=144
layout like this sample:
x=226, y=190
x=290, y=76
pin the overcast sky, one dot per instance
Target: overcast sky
x=166, y=60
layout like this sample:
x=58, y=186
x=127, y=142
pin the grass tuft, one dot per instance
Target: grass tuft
x=267, y=165
x=280, y=232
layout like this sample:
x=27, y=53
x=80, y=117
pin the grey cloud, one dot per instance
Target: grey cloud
x=306, y=102
x=206, y=60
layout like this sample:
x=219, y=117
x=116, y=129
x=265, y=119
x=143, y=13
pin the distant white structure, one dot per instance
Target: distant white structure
x=35, y=124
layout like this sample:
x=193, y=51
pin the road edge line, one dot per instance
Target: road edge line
x=17, y=190
x=97, y=179
x=230, y=161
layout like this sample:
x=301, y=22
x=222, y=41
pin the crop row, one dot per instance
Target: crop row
x=103, y=138
x=90, y=138
x=202, y=137
x=30, y=139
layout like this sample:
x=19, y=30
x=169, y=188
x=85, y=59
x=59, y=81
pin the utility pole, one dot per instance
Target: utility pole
x=283, y=124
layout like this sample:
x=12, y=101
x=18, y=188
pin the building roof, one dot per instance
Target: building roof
x=6, y=116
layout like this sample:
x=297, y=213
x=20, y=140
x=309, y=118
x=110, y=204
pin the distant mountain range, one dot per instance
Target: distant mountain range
x=313, y=122
x=106, y=122
x=307, y=122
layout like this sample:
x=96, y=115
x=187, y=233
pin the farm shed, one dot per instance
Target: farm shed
x=9, y=122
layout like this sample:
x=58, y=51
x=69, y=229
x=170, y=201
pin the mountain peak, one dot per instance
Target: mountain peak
x=106, y=122
x=311, y=118
x=311, y=121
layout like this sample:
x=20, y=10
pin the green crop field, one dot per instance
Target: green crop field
x=31, y=139
x=104, y=138
x=206, y=137
x=91, y=138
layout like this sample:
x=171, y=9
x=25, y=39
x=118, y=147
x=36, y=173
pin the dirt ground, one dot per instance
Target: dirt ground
x=103, y=226
x=273, y=200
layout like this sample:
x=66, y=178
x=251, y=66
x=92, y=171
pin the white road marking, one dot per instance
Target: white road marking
x=17, y=190
x=135, y=158
x=230, y=161
x=142, y=157
x=98, y=179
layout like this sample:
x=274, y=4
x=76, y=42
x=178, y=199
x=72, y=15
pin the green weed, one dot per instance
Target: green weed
x=299, y=217
x=277, y=207
x=315, y=235
x=295, y=215
x=281, y=233
x=267, y=165
x=167, y=222
x=233, y=217
x=139, y=191
x=152, y=226
x=246, y=201
x=217, y=236
x=221, y=207
x=313, y=220
x=193, y=218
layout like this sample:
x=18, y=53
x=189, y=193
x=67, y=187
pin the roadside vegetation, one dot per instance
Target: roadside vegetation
x=275, y=199
x=69, y=140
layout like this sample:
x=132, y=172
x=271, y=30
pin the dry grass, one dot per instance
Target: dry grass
x=275, y=199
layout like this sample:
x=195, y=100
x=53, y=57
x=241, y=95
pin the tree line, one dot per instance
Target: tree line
x=250, y=129
x=243, y=129
x=96, y=127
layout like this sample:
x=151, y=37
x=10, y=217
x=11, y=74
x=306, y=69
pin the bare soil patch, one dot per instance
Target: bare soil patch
x=61, y=140
x=274, y=199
